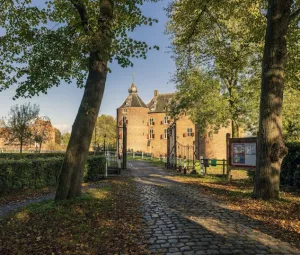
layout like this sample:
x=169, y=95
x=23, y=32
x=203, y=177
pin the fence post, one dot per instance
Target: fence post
x=223, y=167
x=227, y=157
x=106, y=169
x=201, y=165
x=133, y=154
x=142, y=155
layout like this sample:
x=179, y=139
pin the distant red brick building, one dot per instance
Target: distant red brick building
x=147, y=127
x=51, y=135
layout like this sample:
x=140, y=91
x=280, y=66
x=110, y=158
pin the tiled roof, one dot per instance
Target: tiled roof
x=133, y=100
x=160, y=102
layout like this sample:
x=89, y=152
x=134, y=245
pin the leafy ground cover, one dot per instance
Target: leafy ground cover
x=105, y=220
x=282, y=217
x=22, y=195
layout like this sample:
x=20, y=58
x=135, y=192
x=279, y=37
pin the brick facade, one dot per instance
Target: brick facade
x=147, y=125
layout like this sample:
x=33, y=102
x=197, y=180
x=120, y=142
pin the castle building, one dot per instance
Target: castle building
x=147, y=126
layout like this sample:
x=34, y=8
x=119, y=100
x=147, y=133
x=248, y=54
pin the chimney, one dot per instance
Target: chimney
x=155, y=93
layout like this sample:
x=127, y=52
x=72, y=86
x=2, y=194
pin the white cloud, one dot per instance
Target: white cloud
x=63, y=128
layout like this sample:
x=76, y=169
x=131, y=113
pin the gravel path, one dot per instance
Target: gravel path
x=180, y=220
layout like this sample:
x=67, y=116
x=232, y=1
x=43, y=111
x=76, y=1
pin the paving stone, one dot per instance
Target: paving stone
x=180, y=220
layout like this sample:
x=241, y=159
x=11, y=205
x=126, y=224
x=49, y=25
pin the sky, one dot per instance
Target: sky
x=61, y=103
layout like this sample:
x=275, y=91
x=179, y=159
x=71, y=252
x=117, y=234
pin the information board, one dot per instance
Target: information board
x=242, y=152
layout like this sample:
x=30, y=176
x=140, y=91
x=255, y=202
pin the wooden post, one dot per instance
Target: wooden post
x=224, y=168
x=227, y=157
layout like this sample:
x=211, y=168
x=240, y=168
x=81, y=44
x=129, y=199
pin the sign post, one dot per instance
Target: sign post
x=241, y=154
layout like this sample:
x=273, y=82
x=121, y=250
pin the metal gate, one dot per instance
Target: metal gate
x=116, y=158
x=122, y=144
x=171, y=146
x=179, y=156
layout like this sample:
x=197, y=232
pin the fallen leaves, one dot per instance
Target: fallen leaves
x=281, y=218
x=105, y=220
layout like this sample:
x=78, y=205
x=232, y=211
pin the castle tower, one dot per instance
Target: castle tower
x=134, y=111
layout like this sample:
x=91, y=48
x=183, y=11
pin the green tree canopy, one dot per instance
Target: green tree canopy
x=17, y=127
x=225, y=39
x=105, y=126
x=46, y=42
x=65, y=138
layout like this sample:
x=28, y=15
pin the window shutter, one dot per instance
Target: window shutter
x=193, y=134
x=184, y=134
x=153, y=136
x=126, y=121
x=148, y=136
x=161, y=123
x=147, y=123
x=161, y=136
x=153, y=123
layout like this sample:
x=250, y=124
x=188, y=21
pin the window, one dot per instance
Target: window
x=190, y=132
x=151, y=121
x=165, y=133
x=151, y=133
x=166, y=120
x=124, y=110
x=125, y=120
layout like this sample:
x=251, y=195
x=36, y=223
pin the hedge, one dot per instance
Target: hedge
x=18, y=156
x=37, y=173
x=290, y=169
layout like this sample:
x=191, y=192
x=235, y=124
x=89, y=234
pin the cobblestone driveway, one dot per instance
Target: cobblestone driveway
x=180, y=220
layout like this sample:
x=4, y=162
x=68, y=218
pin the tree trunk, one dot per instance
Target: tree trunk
x=70, y=179
x=271, y=148
x=21, y=145
x=234, y=129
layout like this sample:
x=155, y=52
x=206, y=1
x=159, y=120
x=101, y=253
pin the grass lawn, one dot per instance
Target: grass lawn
x=105, y=220
x=282, y=217
x=153, y=161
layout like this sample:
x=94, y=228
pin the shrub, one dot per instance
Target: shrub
x=18, y=156
x=37, y=173
x=290, y=169
x=251, y=174
x=94, y=169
